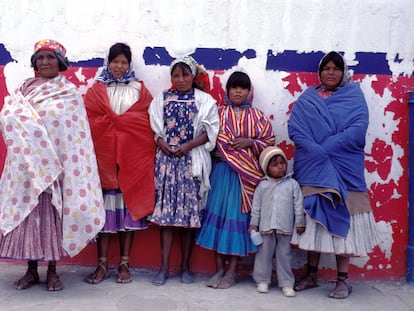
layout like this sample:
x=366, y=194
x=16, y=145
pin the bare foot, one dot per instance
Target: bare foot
x=214, y=281
x=227, y=281
x=30, y=278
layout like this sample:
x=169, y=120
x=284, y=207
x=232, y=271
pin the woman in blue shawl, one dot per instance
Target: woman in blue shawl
x=328, y=125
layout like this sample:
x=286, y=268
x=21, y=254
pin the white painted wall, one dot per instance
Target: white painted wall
x=88, y=28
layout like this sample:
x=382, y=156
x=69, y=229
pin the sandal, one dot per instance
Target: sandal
x=307, y=282
x=30, y=278
x=159, y=279
x=124, y=276
x=342, y=289
x=187, y=278
x=101, y=272
x=53, y=282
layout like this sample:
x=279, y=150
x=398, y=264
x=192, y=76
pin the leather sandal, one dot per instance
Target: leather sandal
x=307, y=282
x=53, y=282
x=342, y=289
x=30, y=278
x=102, y=266
x=124, y=276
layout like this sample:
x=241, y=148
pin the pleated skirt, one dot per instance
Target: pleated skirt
x=117, y=216
x=224, y=227
x=38, y=237
x=362, y=237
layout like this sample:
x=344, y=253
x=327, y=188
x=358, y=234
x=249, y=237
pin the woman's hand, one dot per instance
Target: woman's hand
x=240, y=143
x=165, y=148
x=182, y=149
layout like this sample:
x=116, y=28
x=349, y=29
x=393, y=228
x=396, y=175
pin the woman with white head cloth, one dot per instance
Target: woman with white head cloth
x=185, y=121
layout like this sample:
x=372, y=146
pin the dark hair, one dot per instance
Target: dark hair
x=184, y=66
x=335, y=58
x=119, y=49
x=63, y=62
x=240, y=79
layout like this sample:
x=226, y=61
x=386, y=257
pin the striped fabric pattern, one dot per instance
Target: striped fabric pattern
x=252, y=124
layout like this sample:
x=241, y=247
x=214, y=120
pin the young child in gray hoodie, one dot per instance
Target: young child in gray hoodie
x=277, y=210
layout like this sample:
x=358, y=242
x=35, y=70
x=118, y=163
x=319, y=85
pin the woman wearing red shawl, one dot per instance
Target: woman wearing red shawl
x=117, y=107
x=50, y=196
x=244, y=133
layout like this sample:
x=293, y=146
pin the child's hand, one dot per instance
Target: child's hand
x=300, y=230
x=251, y=228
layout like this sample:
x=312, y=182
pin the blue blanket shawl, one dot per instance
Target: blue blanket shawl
x=329, y=136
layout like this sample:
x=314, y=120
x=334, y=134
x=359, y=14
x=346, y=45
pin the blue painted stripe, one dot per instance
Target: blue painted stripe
x=224, y=59
x=94, y=62
x=5, y=56
x=210, y=58
x=292, y=61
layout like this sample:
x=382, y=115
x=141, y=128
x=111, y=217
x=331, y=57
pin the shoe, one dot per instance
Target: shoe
x=187, y=278
x=159, y=279
x=263, y=288
x=288, y=292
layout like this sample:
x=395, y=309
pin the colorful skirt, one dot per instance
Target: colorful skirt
x=177, y=202
x=225, y=227
x=38, y=237
x=117, y=216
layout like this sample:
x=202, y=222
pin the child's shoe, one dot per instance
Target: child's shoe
x=262, y=288
x=288, y=292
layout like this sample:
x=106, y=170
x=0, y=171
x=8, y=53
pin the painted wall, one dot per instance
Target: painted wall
x=278, y=43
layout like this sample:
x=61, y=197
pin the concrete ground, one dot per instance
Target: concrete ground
x=142, y=295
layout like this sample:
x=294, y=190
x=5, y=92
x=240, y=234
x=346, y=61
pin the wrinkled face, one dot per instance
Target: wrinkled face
x=182, y=79
x=47, y=64
x=118, y=66
x=277, y=167
x=331, y=75
x=238, y=94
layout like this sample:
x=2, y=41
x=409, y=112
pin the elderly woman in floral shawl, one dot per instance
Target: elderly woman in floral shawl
x=50, y=194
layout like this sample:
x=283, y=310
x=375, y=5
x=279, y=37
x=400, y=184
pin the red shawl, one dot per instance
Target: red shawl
x=124, y=147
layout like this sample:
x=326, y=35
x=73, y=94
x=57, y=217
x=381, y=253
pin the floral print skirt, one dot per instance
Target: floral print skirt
x=177, y=202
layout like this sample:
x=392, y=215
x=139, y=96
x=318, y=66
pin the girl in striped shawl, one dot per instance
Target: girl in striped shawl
x=244, y=132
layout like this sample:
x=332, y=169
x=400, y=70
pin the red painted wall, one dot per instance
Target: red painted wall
x=386, y=206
